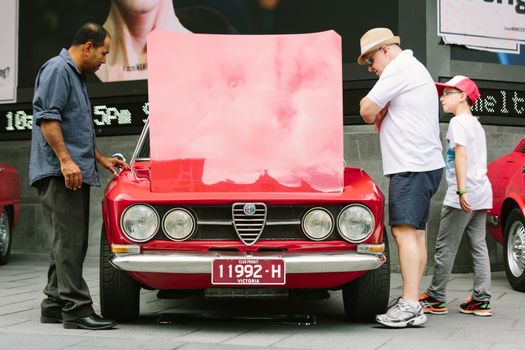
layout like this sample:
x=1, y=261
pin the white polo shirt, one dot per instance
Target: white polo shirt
x=409, y=135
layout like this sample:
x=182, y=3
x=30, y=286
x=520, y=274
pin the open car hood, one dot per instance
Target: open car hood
x=245, y=112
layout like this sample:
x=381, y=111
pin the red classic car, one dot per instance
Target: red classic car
x=238, y=187
x=506, y=222
x=9, y=208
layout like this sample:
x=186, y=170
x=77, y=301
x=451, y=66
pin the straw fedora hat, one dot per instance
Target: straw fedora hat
x=374, y=39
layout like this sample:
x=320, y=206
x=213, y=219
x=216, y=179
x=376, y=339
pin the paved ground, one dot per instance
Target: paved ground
x=193, y=324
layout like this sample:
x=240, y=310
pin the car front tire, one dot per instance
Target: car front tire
x=514, y=250
x=119, y=293
x=367, y=296
x=5, y=237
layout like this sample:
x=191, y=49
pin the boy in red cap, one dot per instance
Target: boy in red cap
x=468, y=197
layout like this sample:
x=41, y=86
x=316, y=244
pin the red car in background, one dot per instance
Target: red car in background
x=238, y=186
x=9, y=208
x=506, y=220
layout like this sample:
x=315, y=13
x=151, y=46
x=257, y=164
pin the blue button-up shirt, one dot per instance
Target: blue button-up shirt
x=60, y=94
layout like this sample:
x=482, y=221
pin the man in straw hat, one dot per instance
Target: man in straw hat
x=403, y=105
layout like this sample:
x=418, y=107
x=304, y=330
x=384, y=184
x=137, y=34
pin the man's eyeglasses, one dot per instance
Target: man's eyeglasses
x=370, y=60
x=450, y=92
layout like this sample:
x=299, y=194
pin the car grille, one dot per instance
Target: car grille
x=218, y=222
x=248, y=221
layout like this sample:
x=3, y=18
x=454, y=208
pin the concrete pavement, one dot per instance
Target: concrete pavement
x=194, y=324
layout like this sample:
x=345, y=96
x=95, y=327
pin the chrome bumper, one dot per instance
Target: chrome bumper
x=197, y=262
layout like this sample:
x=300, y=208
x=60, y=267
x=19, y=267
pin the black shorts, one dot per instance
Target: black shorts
x=409, y=195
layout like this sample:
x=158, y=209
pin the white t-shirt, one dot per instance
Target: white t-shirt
x=409, y=135
x=465, y=130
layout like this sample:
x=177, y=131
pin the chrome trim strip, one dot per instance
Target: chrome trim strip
x=290, y=222
x=201, y=262
x=268, y=223
x=211, y=222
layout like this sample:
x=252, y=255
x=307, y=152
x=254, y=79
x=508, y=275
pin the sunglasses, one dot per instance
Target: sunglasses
x=370, y=60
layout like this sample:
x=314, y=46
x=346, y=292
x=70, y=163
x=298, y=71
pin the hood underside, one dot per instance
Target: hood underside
x=245, y=113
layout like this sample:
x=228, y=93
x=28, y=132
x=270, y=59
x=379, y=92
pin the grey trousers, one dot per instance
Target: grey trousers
x=455, y=222
x=66, y=214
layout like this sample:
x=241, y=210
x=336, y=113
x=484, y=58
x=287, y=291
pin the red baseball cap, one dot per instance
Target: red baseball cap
x=461, y=83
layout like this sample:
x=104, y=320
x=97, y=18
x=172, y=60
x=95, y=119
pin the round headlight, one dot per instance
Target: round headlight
x=140, y=222
x=178, y=224
x=355, y=223
x=317, y=224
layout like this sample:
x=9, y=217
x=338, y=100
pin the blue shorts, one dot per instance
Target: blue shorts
x=409, y=197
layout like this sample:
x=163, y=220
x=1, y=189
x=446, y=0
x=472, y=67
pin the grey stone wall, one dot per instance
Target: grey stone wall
x=29, y=236
x=361, y=147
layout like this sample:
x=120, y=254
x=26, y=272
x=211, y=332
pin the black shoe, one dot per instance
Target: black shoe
x=475, y=307
x=91, y=322
x=51, y=316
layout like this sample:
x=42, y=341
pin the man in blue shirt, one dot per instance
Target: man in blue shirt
x=63, y=168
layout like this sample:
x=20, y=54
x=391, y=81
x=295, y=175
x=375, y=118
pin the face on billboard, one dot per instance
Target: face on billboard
x=47, y=27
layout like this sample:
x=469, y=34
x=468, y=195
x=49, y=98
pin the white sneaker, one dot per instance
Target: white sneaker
x=402, y=315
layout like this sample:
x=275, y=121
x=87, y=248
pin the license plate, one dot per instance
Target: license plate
x=248, y=271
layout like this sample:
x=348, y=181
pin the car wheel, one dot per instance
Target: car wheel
x=119, y=293
x=514, y=250
x=5, y=237
x=367, y=296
